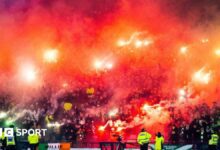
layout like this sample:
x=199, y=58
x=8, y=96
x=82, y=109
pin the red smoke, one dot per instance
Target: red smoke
x=84, y=31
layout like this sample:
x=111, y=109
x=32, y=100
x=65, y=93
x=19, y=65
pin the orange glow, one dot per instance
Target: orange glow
x=183, y=49
x=217, y=52
x=51, y=55
x=101, y=128
x=202, y=77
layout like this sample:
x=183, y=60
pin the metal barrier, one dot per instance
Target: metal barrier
x=23, y=145
x=85, y=144
x=112, y=145
x=135, y=145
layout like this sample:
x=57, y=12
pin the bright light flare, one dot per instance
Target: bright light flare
x=101, y=128
x=217, y=52
x=146, y=107
x=109, y=65
x=202, y=77
x=64, y=85
x=28, y=73
x=113, y=112
x=51, y=56
x=134, y=41
x=98, y=64
x=147, y=42
x=154, y=110
x=142, y=43
x=205, y=40
x=138, y=43
x=119, y=129
x=103, y=65
x=122, y=43
x=118, y=123
x=3, y=115
x=182, y=94
x=183, y=49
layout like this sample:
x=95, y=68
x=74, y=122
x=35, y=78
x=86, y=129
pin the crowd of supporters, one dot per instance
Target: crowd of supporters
x=199, y=130
x=78, y=125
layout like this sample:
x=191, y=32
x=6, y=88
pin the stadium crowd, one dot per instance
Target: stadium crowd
x=200, y=129
x=77, y=125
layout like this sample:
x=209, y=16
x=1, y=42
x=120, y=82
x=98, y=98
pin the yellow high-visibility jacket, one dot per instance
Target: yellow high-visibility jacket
x=10, y=141
x=3, y=136
x=214, y=139
x=143, y=138
x=159, y=142
x=48, y=118
x=33, y=139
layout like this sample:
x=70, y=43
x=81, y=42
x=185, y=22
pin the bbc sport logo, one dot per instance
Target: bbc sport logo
x=8, y=132
x=11, y=132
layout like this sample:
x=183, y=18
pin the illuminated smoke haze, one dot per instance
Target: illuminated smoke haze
x=87, y=31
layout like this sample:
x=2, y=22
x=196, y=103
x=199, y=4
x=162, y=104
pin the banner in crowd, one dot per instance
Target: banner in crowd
x=54, y=146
